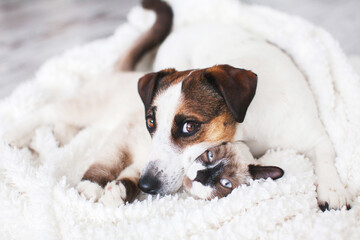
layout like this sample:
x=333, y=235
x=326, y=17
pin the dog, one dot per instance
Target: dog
x=190, y=111
x=221, y=169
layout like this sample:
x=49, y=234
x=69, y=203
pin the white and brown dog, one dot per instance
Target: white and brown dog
x=190, y=111
x=193, y=110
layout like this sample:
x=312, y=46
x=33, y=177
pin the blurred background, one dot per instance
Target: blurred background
x=31, y=31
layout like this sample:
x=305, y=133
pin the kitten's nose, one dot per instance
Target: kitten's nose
x=149, y=184
x=202, y=177
x=209, y=175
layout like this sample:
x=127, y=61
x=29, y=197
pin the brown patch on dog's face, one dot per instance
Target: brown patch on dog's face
x=213, y=101
x=206, y=112
x=173, y=77
x=152, y=84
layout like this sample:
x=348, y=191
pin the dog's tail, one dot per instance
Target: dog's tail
x=149, y=40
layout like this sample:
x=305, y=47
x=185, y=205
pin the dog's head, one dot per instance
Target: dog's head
x=186, y=113
x=220, y=169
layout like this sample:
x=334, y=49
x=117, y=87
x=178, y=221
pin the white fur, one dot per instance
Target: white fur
x=164, y=155
x=193, y=170
x=200, y=191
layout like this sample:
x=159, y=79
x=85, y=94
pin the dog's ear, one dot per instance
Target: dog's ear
x=147, y=85
x=237, y=86
x=257, y=172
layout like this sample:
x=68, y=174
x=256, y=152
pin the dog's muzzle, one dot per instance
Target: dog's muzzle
x=160, y=177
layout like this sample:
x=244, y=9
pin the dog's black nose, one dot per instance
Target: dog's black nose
x=149, y=184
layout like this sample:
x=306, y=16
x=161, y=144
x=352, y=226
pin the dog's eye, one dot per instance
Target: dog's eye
x=210, y=156
x=226, y=183
x=190, y=127
x=150, y=122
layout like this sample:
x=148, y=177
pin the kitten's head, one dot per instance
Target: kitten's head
x=219, y=170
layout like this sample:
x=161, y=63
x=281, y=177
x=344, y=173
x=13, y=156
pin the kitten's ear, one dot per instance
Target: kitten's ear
x=257, y=172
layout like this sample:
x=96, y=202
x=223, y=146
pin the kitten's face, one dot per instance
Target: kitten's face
x=219, y=170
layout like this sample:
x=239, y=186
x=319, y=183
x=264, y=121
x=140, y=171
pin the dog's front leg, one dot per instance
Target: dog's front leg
x=101, y=184
x=123, y=189
x=106, y=170
x=112, y=178
x=330, y=190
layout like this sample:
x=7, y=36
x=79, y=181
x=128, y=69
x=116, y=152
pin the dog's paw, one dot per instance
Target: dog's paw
x=332, y=196
x=114, y=194
x=90, y=190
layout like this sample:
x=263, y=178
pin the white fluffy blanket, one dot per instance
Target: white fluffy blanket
x=37, y=198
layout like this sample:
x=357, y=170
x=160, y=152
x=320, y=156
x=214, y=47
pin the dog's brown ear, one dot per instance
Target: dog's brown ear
x=237, y=86
x=147, y=85
x=257, y=172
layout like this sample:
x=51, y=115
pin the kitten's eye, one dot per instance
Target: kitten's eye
x=150, y=122
x=210, y=156
x=226, y=183
x=190, y=127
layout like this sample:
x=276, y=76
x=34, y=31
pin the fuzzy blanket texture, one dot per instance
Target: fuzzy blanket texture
x=37, y=195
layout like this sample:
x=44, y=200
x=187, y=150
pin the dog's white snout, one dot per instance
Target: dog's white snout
x=168, y=177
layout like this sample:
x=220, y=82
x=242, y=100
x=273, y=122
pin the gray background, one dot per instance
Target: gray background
x=33, y=31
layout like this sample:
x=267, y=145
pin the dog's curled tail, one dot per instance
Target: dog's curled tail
x=150, y=39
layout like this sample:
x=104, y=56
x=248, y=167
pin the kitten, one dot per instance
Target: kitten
x=219, y=170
